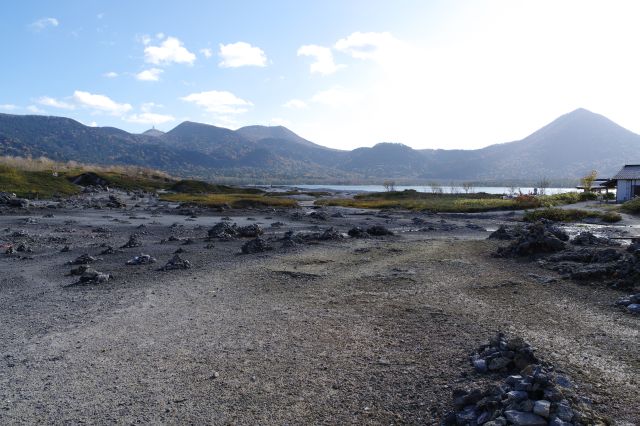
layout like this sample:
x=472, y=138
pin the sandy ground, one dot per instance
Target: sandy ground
x=372, y=331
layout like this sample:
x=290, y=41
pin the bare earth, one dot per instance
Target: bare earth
x=366, y=331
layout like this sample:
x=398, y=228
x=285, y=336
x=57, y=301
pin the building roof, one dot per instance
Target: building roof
x=630, y=171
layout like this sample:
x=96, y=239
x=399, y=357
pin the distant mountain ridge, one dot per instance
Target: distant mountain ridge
x=567, y=148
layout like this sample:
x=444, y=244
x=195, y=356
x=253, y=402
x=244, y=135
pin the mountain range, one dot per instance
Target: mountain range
x=567, y=148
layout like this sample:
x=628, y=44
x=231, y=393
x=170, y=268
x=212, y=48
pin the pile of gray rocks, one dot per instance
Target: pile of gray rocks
x=534, y=396
x=536, y=238
x=630, y=303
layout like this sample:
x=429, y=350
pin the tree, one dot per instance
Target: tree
x=389, y=185
x=467, y=187
x=587, y=181
x=436, y=188
x=543, y=184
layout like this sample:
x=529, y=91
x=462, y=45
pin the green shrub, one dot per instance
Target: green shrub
x=570, y=215
x=631, y=206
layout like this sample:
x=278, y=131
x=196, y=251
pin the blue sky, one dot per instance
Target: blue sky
x=430, y=74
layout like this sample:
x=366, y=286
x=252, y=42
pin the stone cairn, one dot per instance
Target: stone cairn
x=530, y=392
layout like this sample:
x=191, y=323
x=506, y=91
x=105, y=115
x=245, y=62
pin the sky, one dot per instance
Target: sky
x=341, y=73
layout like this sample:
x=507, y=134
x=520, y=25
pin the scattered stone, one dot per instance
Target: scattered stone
x=23, y=248
x=65, y=249
x=11, y=200
x=277, y=225
x=534, y=396
x=504, y=233
x=91, y=276
x=257, y=245
x=134, y=241
x=142, y=259
x=83, y=259
x=176, y=262
x=318, y=215
x=250, y=231
x=79, y=270
x=631, y=303
x=586, y=238
x=358, y=232
x=223, y=231
x=115, y=202
x=378, y=231
x=505, y=355
x=108, y=250
x=537, y=238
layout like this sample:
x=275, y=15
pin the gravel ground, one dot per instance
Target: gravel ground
x=355, y=331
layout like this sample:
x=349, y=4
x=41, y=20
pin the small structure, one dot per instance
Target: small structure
x=599, y=186
x=627, y=183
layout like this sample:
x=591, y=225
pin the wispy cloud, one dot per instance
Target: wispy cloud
x=323, y=59
x=152, y=74
x=171, y=50
x=35, y=110
x=219, y=102
x=110, y=74
x=100, y=103
x=206, y=52
x=55, y=103
x=295, y=104
x=149, y=118
x=43, y=23
x=367, y=45
x=335, y=97
x=241, y=54
x=8, y=107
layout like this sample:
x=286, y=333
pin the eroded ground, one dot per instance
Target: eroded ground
x=374, y=331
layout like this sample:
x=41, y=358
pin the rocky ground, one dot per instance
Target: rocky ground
x=311, y=316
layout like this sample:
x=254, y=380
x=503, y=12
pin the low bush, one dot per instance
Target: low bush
x=570, y=215
x=631, y=206
x=236, y=201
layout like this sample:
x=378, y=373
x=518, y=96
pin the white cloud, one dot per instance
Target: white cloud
x=149, y=118
x=367, y=45
x=219, y=102
x=51, y=102
x=34, y=109
x=110, y=74
x=323, y=63
x=148, y=106
x=276, y=121
x=335, y=97
x=241, y=54
x=44, y=23
x=100, y=103
x=295, y=104
x=8, y=107
x=206, y=52
x=152, y=74
x=170, y=50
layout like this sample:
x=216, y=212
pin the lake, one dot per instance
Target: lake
x=426, y=188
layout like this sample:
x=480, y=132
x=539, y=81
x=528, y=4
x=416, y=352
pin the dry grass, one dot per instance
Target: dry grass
x=236, y=201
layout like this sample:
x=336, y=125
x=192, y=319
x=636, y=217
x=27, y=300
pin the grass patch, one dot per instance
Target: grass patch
x=200, y=187
x=35, y=184
x=309, y=193
x=571, y=215
x=149, y=182
x=448, y=203
x=236, y=201
x=631, y=206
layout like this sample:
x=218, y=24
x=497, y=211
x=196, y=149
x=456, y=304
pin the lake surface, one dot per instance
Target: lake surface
x=426, y=188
